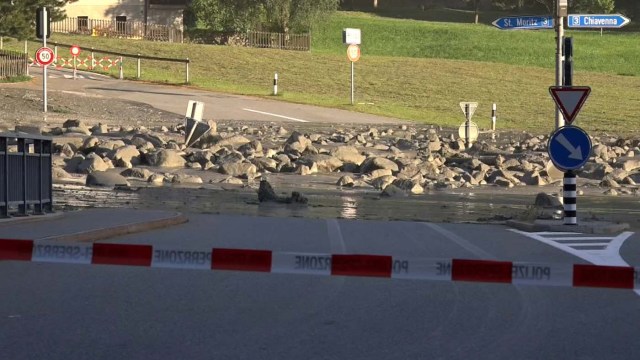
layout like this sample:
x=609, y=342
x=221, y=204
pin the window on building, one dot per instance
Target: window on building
x=121, y=24
x=83, y=23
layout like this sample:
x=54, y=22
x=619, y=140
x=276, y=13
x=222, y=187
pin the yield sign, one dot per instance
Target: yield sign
x=570, y=99
x=468, y=108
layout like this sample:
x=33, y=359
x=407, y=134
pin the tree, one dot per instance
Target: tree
x=594, y=6
x=297, y=15
x=229, y=15
x=18, y=17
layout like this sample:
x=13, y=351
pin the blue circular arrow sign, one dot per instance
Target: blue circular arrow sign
x=569, y=148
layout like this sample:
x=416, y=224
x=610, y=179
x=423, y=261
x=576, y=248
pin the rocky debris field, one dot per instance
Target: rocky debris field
x=397, y=160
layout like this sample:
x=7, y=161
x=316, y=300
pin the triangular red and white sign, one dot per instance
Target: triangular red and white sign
x=570, y=99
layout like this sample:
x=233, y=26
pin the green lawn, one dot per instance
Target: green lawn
x=413, y=70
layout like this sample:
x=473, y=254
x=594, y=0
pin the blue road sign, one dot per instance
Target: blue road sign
x=614, y=21
x=569, y=148
x=524, y=22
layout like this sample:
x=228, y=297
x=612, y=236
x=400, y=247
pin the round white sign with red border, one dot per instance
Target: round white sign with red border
x=44, y=56
x=353, y=53
x=75, y=50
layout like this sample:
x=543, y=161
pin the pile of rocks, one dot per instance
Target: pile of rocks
x=398, y=160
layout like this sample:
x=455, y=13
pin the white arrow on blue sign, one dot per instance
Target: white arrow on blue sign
x=599, y=21
x=569, y=148
x=524, y=22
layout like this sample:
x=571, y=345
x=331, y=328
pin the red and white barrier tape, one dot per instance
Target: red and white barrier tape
x=398, y=267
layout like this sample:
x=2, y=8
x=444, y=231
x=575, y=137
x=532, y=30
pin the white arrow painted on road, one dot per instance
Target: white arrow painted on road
x=575, y=153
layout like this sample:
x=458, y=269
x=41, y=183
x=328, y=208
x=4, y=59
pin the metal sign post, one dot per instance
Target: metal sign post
x=561, y=12
x=44, y=20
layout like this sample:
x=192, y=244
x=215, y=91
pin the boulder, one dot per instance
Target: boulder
x=382, y=182
x=70, y=123
x=127, y=153
x=166, y=158
x=296, y=143
x=140, y=139
x=533, y=178
x=393, y=191
x=345, y=181
x=265, y=164
x=240, y=169
x=409, y=185
x=595, y=171
x=232, y=180
x=323, y=162
x=186, y=179
x=59, y=174
x=138, y=173
x=380, y=172
x=374, y=163
x=629, y=164
x=348, y=154
x=547, y=201
x=106, y=179
x=234, y=141
x=92, y=163
x=156, y=179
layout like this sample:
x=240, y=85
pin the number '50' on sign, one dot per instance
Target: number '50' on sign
x=44, y=56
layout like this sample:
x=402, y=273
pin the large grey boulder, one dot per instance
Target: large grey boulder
x=138, y=173
x=296, y=143
x=374, y=163
x=234, y=141
x=92, y=163
x=323, y=162
x=348, y=154
x=629, y=163
x=107, y=179
x=141, y=139
x=127, y=153
x=246, y=170
x=166, y=158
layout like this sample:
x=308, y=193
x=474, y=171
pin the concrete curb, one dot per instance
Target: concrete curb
x=584, y=226
x=120, y=230
x=31, y=218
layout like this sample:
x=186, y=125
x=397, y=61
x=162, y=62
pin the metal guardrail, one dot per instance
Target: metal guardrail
x=137, y=57
x=26, y=180
x=12, y=63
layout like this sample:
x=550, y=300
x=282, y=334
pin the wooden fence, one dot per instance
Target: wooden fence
x=12, y=64
x=271, y=40
x=118, y=29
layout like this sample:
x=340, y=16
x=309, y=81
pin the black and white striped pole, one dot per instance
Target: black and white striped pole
x=569, y=195
x=275, y=84
x=493, y=117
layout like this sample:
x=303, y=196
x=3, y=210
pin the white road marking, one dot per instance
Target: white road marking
x=460, y=241
x=336, y=241
x=608, y=254
x=276, y=115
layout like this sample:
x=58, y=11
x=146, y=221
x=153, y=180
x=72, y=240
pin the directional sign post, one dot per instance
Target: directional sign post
x=597, y=21
x=569, y=149
x=524, y=22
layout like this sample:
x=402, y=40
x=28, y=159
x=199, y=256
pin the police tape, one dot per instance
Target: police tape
x=397, y=267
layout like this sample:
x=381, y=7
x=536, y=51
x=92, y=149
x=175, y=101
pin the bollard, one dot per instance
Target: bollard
x=570, y=198
x=493, y=117
x=138, y=72
x=91, y=63
x=275, y=84
x=187, y=76
x=121, y=72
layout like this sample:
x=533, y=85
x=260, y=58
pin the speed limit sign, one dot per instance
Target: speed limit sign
x=353, y=53
x=44, y=56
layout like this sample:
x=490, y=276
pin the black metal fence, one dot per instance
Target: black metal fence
x=12, y=64
x=26, y=182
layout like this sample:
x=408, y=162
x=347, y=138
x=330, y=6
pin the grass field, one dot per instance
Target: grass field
x=414, y=70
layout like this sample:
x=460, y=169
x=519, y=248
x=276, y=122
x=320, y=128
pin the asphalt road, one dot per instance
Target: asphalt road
x=217, y=106
x=58, y=311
